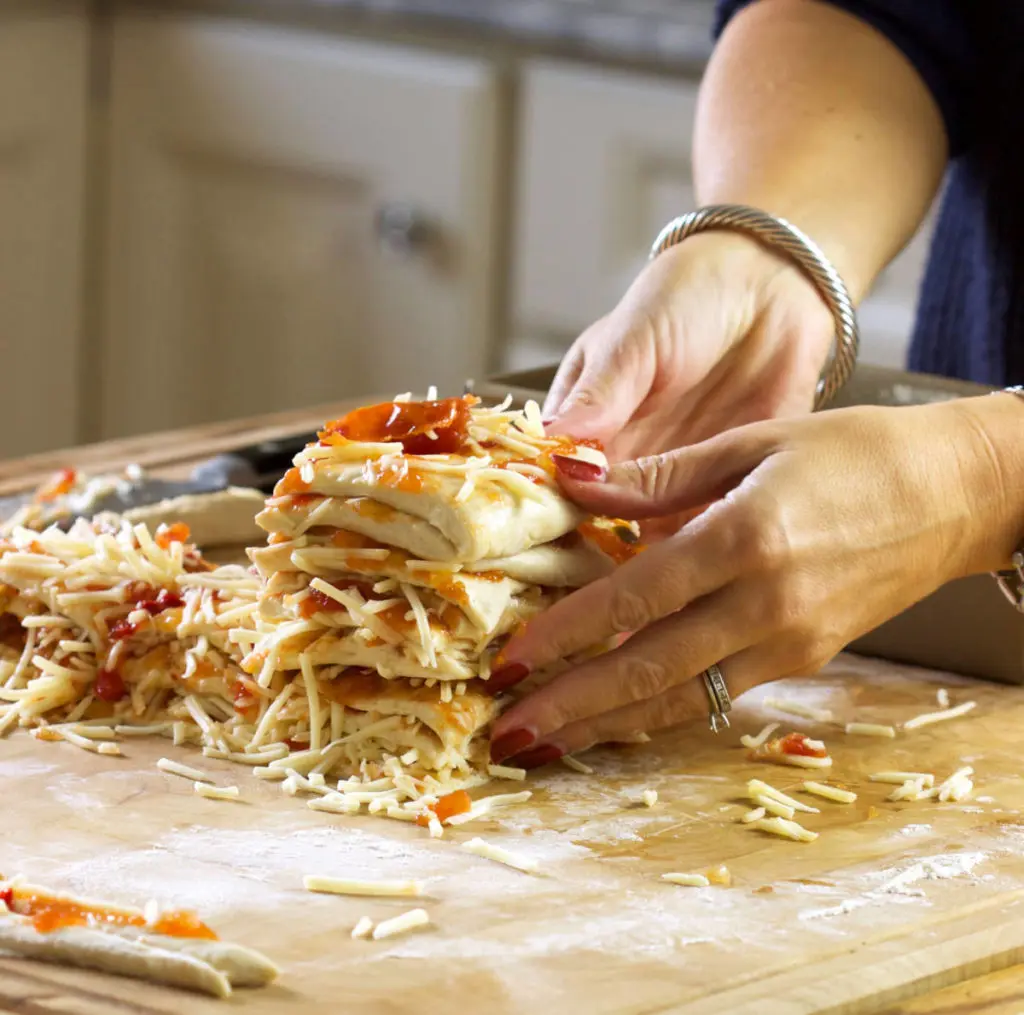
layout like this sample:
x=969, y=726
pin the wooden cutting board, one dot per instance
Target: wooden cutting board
x=805, y=928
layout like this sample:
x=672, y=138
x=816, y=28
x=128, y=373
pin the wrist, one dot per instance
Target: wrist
x=991, y=463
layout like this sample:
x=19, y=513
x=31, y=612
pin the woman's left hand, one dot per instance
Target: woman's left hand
x=819, y=529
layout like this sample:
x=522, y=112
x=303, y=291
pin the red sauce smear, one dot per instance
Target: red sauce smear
x=60, y=484
x=619, y=543
x=148, y=599
x=422, y=428
x=177, y=532
x=48, y=914
x=447, y=807
x=796, y=743
x=291, y=483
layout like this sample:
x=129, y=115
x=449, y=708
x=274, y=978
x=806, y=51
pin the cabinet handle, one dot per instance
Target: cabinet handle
x=403, y=230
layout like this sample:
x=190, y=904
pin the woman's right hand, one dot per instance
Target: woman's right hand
x=715, y=332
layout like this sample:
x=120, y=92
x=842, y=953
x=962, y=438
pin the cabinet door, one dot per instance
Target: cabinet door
x=250, y=168
x=43, y=99
x=604, y=163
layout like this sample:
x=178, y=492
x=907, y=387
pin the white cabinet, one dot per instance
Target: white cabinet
x=248, y=170
x=44, y=89
x=603, y=163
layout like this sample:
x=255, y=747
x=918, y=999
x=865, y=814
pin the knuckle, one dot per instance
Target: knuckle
x=651, y=476
x=628, y=611
x=644, y=678
x=786, y=604
x=761, y=538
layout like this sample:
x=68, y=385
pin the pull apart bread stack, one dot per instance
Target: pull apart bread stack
x=404, y=547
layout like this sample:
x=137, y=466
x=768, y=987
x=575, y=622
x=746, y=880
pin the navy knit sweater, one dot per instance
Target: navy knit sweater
x=970, y=54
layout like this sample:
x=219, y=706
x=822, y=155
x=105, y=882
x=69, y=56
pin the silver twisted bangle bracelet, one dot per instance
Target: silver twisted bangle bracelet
x=1012, y=582
x=778, y=233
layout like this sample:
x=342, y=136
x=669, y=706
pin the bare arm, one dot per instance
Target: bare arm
x=811, y=114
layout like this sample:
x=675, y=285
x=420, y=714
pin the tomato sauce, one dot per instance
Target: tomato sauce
x=291, y=483
x=48, y=913
x=178, y=532
x=63, y=482
x=618, y=542
x=145, y=598
x=798, y=744
x=422, y=428
x=447, y=807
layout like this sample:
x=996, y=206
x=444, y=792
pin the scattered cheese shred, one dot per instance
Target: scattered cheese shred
x=762, y=738
x=688, y=880
x=957, y=787
x=362, y=929
x=216, y=792
x=172, y=767
x=785, y=829
x=506, y=772
x=826, y=792
x=942, y=698
x=489, y=851
x=753, y=815
x=354, y=886
x=755, y=787
x=401, y=924
x=932, y=717
x=649, y=797
x=766, y=803
x=898, y=778
x=798, y=709
x=576, y=765
x=870, y=729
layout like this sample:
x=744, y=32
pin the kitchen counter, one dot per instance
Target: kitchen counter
x=667, y=35
x=171, y=453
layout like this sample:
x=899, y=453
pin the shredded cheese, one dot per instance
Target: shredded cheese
x=489, y=851
x=833, y=793
x=576, y=765
x=761, y=739
x=506, y=772
x=172, y=767
x=785, y=829
x=354, y=886
x=899, y=778
x=401, y=924
x=688, y=880
x=933, y=717
x=362, y=929
x=798, y=709
x=216, y=792
x=649, y=797
x=869, y=729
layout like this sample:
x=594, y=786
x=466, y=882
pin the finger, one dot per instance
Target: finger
x=609, y=389
x=673, y=482
x=656, y=583
x=679, y=704
x=568, y=372
x=664, y=655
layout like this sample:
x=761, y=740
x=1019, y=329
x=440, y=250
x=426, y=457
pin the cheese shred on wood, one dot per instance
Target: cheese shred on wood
x=489, y=851
x=353, y=886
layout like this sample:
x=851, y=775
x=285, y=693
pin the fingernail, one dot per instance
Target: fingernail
x=576, y=468
x=511, y=743
x=507, y=676
x=536, y=758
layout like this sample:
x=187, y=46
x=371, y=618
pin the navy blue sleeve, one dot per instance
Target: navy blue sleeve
x=934, y=35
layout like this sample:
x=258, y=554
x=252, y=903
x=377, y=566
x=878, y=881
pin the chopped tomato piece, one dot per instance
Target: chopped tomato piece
x=290, y=482
x=797, y=743
x=7, y=897
x=447, y=807
x=58, y=485
x=108, y=686
x=177, y=532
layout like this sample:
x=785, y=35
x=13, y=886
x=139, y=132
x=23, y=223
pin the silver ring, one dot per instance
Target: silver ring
x=777, y=232
x=718, y=695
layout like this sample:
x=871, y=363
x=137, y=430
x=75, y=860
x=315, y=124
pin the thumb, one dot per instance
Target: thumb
x=609, y=389
x=668, y=483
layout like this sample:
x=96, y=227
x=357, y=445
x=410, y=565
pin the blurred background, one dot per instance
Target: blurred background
x=214, y=208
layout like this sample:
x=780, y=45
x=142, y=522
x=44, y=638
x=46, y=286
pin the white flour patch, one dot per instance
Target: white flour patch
x=22, y=768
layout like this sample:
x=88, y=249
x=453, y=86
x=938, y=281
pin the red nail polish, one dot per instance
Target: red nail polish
x=511, y=743
x=576, y=468
x=507, y=676
x=536, y=758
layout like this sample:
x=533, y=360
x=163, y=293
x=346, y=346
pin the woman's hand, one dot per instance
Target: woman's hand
x=820, y=529
x=714, y=333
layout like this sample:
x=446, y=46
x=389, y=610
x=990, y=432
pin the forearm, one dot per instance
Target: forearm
x=810, y=114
